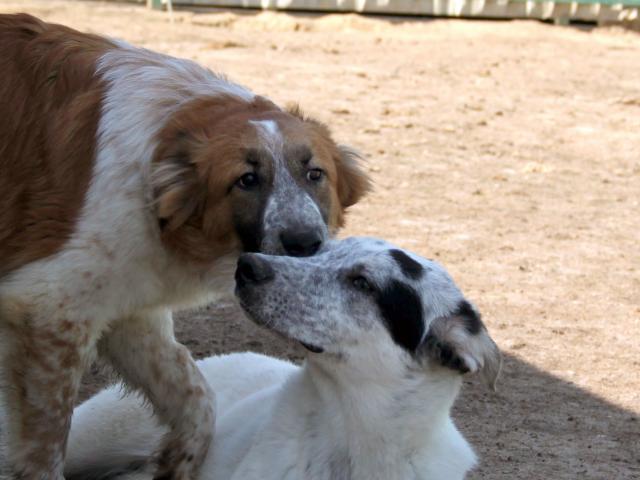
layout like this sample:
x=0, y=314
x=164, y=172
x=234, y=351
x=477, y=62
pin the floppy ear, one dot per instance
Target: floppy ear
x=461, y=342
x=177, y=193
x=353, y=181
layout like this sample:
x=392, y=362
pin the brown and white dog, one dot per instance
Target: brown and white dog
x=130, y=183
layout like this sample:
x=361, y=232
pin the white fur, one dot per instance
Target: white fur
x=274, y=418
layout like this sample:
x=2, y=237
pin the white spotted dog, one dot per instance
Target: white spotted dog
x=389, y=336
x=130, y=183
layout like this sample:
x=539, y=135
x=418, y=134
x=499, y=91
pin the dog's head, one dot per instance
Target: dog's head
x=231, y=175
x=365, y=301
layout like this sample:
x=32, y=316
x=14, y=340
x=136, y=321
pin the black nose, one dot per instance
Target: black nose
x=253, y=269
x=300, y=243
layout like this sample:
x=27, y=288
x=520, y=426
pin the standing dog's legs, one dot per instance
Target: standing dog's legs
x=144, y=351
x=42, y=363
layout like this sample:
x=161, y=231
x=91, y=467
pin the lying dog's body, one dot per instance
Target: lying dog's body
x=277, y=421
x=131, y=181
x=390, y=333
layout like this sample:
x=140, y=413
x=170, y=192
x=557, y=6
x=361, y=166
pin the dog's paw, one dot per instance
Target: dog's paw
x=181, y=458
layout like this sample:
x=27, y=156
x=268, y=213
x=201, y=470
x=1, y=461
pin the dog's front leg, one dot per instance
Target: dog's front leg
x=144, y=351
x=42, y=362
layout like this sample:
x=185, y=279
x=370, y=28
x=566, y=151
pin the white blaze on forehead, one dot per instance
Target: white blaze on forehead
x=271, y=137
x=268, y=126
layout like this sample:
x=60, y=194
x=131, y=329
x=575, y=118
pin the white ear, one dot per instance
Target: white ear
x=462, y=342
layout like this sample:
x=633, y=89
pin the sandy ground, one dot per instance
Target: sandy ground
x=510, y=151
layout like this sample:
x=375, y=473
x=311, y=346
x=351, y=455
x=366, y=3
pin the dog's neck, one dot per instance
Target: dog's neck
x=387, y=429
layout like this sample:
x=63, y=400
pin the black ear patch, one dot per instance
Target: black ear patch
x=443, y=353
x=402, y=312
x=408, y=265
x=472, y=321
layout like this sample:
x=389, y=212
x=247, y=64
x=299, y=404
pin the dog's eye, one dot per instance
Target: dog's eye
x=248, y=181
x=315, y=175
x=361, y=284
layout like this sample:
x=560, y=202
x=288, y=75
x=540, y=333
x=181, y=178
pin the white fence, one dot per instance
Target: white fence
x=605, y=12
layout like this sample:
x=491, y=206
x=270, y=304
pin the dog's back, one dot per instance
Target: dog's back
x=49, y=110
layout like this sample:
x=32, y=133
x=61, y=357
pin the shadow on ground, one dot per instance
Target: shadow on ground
x=534, y=418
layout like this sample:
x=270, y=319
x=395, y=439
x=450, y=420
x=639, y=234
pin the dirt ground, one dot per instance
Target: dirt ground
x=509, y=151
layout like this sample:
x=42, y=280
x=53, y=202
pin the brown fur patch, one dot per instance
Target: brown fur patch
x=50, y=102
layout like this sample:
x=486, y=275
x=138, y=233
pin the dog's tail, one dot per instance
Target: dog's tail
x=112, y=437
